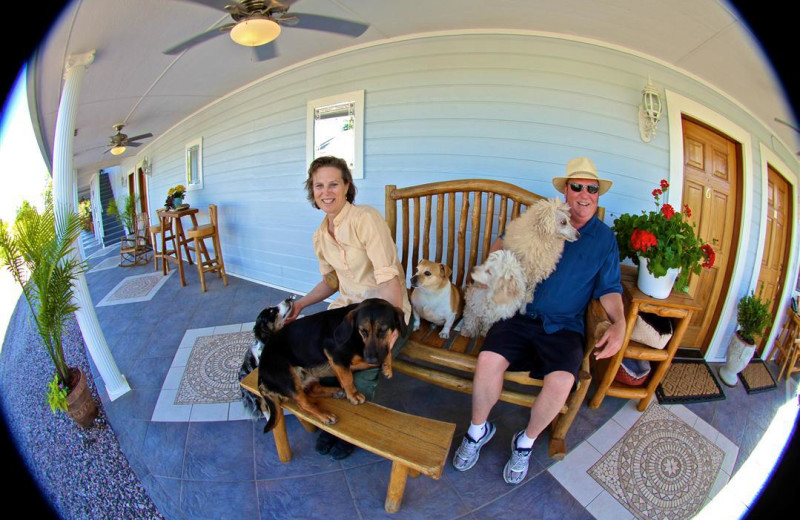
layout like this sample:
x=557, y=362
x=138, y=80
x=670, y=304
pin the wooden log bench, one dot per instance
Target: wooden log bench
x=455, y=223
x=415, y=445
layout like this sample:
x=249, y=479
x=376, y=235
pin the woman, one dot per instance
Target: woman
x=357, y=258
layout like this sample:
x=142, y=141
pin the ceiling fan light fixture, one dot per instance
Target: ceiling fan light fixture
x=118, y=150
x=255, y=31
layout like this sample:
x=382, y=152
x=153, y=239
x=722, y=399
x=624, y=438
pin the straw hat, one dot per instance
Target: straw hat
x=581, y=168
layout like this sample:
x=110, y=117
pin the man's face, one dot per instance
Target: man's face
x=582, y=204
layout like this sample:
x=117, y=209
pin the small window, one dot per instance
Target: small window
x=335, y=126
x=194, y=165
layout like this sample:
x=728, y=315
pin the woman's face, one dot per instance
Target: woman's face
x=330, y=191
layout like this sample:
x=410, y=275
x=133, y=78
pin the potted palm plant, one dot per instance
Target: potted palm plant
x=38, y=251
x=753, y=317
x=127, y=216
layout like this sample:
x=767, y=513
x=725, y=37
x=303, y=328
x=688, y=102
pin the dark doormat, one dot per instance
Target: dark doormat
x=689, y=381
x=756, y=377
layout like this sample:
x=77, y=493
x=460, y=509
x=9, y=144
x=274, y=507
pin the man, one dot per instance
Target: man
x=548, y=339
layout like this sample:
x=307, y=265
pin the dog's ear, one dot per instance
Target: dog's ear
x=446, y=271
x=344, y=331
x=510, y=288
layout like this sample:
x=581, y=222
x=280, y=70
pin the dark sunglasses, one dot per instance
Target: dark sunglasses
x=578, y=187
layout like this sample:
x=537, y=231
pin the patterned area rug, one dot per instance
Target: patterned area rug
x=756, y=377
x=689, y=381
x=661, y=469
x=139, y=288
x=211, y=374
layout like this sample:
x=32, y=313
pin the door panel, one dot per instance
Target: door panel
x=772, y=276
x=711, y=180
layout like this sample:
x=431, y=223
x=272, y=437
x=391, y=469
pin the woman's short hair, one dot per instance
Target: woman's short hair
x=329, y=160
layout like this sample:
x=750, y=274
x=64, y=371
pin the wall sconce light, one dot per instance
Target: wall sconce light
x=147, y=167
x=649, y=112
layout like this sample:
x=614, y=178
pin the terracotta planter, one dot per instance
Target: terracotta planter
x=739, y=355
x=80, y=404
x=656, y=287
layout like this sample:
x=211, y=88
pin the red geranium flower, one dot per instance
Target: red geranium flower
x=641, y=240
x=710, y=255
x=664, y=184
x=687, y=210
x=667, y=210
x=657, y=192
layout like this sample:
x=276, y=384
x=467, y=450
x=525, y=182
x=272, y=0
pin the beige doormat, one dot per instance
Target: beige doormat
x=135, y=289
x=661, y=469
x=212, y=371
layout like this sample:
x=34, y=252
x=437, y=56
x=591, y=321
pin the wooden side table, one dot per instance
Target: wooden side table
x=679, y=307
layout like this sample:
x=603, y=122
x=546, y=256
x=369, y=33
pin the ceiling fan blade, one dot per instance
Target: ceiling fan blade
x=133, y=145
x=199, y=38
x=265, y=52
x=137, y=137
x=329, y=24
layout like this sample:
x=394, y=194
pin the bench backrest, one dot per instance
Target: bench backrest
x=453, y=222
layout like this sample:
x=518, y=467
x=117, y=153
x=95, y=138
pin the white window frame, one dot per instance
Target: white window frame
x=355, y=97
x=198, y=178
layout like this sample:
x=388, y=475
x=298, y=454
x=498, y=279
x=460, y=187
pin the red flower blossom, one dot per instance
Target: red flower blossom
x=710, y=255
x=641, y=240
x=667, y=210
x=664, y=184
x=657, y=192
x=687, y=210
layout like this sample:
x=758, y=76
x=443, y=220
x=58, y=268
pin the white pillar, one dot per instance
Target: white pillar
x=64, y=180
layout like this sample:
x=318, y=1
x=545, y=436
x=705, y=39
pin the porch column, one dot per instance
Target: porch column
x=64, y=182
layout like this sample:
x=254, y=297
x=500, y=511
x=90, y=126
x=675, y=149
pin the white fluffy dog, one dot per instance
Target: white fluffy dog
x=537, y=238
x=496, y=294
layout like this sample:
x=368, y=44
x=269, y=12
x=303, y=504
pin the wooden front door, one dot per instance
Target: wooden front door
x=711, y=180
x=142, y=191
x=776, y=251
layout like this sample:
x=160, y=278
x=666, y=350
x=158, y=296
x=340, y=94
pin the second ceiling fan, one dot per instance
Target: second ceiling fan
x=256, y=23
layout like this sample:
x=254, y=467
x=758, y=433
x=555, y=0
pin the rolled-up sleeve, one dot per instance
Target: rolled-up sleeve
x=381, y=250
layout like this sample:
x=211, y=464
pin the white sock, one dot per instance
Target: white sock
x=476, y=431
x=524, y=442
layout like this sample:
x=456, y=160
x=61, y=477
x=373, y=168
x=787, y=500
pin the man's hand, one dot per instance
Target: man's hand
x=610, y=342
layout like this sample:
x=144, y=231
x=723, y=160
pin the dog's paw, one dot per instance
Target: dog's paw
x=357, y=398
x=386, y=370
x=444, y=334
x=329, y=418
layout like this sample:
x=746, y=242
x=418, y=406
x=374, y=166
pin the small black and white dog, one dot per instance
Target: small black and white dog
x=270, y=320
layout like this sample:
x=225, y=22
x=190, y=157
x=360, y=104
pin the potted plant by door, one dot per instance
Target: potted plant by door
x=753, y=317
x=664, y=245
x=38, y=252
x=126, y=217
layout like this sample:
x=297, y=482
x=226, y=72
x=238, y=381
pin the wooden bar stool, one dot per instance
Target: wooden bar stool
x=206, y=264
x=788, y=345
x=155, y=240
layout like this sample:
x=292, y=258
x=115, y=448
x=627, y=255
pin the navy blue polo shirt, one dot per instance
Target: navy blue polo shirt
x=588, y=269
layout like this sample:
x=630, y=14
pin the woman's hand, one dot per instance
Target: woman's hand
x=320, y=291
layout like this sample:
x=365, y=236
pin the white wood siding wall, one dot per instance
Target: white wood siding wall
x=513, y=107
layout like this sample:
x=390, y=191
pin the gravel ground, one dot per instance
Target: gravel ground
x=81, y=473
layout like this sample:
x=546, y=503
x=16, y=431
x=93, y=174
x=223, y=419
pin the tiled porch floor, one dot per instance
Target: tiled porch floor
x=215, y=469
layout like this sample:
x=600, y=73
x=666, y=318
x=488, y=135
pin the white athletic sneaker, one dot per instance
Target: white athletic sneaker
x=517, y=465
x=467, y=454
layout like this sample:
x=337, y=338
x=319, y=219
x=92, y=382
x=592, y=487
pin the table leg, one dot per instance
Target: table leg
x=181, y=240
x=397, y=486
x=164, y=261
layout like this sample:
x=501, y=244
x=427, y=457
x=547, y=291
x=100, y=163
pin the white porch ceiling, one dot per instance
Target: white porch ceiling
x=131, y=81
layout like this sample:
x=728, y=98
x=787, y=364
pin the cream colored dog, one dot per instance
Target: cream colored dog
x=435, y=298
x=537, y=238
x=496, y=293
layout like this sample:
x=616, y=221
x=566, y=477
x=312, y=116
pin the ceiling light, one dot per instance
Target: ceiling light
x=118, y=150
x=255, y=31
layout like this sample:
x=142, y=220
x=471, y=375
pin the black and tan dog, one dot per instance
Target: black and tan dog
x=332, y=342
x=270, y=320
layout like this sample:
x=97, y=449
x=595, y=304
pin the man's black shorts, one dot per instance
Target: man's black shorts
x=523, y=341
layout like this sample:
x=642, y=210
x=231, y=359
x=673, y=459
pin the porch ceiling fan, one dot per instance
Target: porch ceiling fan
x=257, y=23
x=119, y=141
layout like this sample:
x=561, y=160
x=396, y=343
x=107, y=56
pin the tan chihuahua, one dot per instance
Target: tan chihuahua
x=435, y=298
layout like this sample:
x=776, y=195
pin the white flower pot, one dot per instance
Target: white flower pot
x=739, y=355
x=656, y=287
